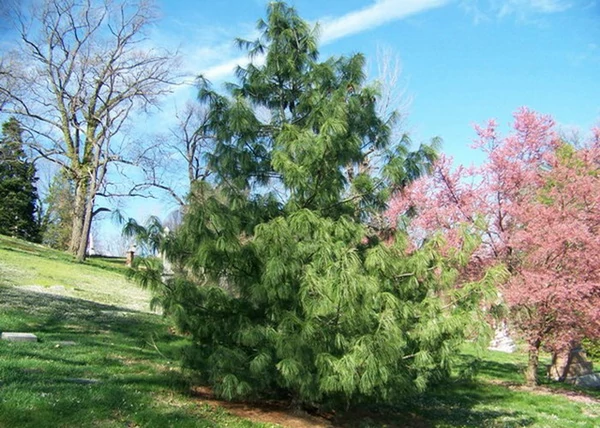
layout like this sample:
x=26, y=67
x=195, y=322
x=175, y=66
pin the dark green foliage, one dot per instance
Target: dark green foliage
x=592, y=349
x=283, y=277
x=18, y=193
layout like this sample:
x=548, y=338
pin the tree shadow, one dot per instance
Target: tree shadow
x=50, y=313
x=66, y=404
x=468, y=403
x=511, y=372
x=108, y=376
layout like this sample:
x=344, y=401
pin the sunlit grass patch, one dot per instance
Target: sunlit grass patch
x=41, y=269
x=114, y=371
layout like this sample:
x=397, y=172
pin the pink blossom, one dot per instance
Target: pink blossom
x=536, y=204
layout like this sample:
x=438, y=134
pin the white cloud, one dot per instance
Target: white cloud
x=226, y=68
x=523, y=8
x=472, y=7
x=379, y=13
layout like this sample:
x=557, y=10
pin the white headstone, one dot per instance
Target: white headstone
x=502, y=341
x=91, y=250
x=19, y=337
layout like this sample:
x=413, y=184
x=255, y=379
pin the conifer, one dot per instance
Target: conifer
x=282, y=276
x=18, y=192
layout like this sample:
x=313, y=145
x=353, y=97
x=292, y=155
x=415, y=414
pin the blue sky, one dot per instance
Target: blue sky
x=464, y=61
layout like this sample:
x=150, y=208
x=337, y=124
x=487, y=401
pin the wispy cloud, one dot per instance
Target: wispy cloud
x=216, y=57
x=379, y=13
x=333, y=28
x=522, y=10
x=472, y=8
x=224, y=69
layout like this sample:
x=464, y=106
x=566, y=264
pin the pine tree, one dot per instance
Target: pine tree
x=281, y=276
x=18, y=193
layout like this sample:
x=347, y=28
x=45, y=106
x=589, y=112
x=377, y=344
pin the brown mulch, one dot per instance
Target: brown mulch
x=282, y=413
x=267, y=412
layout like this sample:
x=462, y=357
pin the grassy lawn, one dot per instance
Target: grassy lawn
x=101, y=361
x=498, y=398
x=117, y=371
x=104, y=360
x=37, y=268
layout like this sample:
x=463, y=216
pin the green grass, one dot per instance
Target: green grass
x=495, y=397
x=122, y=370
x=119, y=372
x=37, y=268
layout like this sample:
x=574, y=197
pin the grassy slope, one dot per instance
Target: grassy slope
x=120, y=371
x=41, y=269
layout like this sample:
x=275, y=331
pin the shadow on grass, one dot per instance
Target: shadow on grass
x=70, y=404
x=473, y=404
x=463, y=403
x=508, y=372
x=49, y=313
x=460, y=404
x=109, y=376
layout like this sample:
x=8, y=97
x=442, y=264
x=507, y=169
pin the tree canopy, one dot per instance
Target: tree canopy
x=19, y=214
x=283, y=277
x=535, y=202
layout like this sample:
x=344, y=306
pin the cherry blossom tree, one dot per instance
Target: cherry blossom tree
x=535, y=202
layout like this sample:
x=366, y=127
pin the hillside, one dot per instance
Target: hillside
x=36, y=268
x=104, y=360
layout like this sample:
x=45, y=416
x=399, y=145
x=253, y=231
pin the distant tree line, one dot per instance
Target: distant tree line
x=19, y=204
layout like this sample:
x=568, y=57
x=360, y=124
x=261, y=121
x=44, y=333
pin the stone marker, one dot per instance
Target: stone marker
x=502, y=341
x=130, y=255
x=66, y=343
x=591, y=380
x=19, y=337
x=81, y=381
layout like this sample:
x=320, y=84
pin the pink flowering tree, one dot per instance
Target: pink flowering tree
x=535, y=203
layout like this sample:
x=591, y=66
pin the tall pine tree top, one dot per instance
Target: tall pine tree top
x=304, y=131
x=18, y=194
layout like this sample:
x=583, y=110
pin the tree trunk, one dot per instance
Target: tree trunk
x=531, y=373
x=86, y=225
x=78, y=215
x=560, y=365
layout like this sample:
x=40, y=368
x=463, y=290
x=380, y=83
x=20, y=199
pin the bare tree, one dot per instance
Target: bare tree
x=394, y=101
x=82, y=69
x=182, y=149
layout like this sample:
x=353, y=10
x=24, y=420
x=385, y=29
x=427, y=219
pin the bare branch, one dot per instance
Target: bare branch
x=81, y=70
